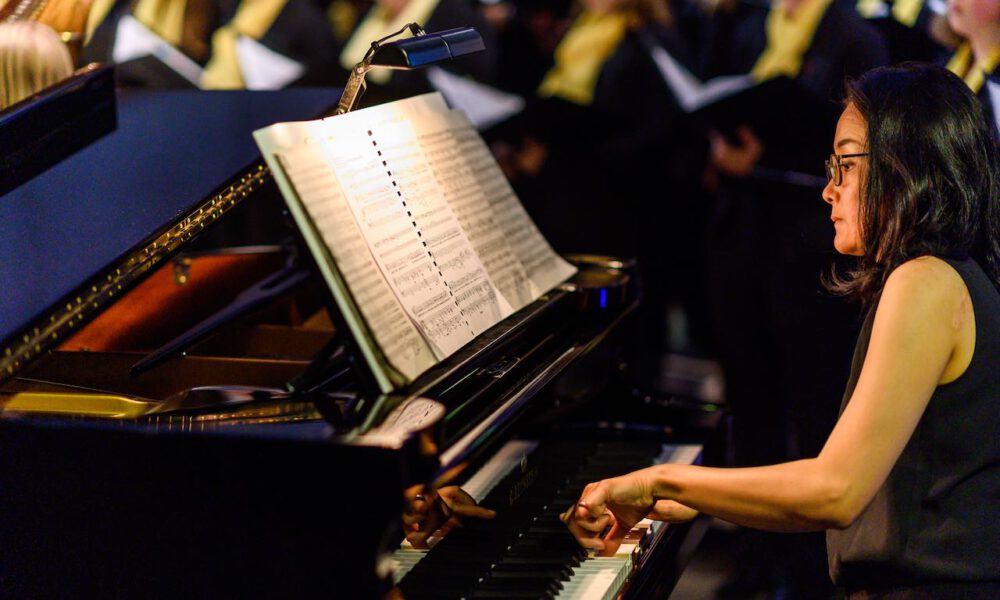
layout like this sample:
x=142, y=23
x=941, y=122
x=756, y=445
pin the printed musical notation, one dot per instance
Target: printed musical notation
x=418, y=217
x=320, y=193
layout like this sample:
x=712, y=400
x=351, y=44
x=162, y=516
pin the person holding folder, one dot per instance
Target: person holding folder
x=616, y=153
x=907, y=483
x=784, y=344
x=223, y=44
x=977, y=58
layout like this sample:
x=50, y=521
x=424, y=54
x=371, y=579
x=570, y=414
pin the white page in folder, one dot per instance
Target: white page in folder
x=691, y=93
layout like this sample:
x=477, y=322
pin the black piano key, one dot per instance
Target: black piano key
x=511, y=594
x=557, y=573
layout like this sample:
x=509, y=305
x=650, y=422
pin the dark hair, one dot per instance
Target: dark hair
x=932, y=185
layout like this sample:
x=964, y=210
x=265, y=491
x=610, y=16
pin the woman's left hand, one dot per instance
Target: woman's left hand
x=437, y=512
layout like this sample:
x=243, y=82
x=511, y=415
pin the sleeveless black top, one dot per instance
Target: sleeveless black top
x=936, y=519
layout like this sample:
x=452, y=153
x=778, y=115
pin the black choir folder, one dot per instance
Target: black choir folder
x=779, y=110
x=417, y=233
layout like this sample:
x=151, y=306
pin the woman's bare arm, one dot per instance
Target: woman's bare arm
x=920, y=338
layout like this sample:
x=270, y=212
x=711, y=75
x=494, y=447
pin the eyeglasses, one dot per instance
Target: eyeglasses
x=833, y=172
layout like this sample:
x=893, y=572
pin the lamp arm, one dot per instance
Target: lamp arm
x=354, y=88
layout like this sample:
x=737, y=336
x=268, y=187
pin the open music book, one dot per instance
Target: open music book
x=419, y=236
x=691, y=93
x=147, y=57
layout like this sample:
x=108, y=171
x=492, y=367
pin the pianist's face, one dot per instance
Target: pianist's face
x=845, y=199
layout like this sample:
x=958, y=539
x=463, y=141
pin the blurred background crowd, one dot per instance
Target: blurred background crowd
x=607, y=137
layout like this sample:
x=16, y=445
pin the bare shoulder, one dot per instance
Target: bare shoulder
x=927, y=281
x=926, y=294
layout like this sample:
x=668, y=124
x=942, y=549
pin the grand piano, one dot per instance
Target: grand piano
x=182, y=414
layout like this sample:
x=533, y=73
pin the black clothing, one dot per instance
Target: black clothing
x=936, y=519
x=621, y=178
x=300, y=32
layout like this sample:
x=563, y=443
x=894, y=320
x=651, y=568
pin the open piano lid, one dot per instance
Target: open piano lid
x=93, y=225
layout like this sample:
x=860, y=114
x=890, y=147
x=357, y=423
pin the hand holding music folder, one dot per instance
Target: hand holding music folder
x=780, y=111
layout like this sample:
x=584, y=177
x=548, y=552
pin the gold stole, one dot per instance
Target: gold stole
x=165, y=18
x=253, y=18
x=584, y=49
x=973, y=72
x=376, y=25
x=788, y=39
x=98, y=10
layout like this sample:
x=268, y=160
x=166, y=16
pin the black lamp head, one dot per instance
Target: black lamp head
x=412, y=53
x=427, y=49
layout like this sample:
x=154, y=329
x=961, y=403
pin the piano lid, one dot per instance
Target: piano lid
x=99, y=212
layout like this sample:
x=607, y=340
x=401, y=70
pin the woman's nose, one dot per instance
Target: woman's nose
x=829, y=191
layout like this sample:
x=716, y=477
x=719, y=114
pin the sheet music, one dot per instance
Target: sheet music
x=432, y=243
x=993, y=88
x=484, y=105
x=263, y=68
x=543, y=267
x=691, y=93
x=321, y=194
x=415, y=238
x=135, y=40
x=442, y=139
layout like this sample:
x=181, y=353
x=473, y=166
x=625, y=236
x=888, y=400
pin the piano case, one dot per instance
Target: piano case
x=255, y=457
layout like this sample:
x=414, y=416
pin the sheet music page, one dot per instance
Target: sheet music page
x=321, y=194
x=441, y=139
x=263, y=68
x=484, y=105
x=691, y=93
x=541, y=265
x=407, y=206
x=134, y=40
x=993, y=88
x=415, y=238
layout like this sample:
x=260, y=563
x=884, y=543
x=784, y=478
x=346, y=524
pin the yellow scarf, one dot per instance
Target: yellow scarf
x=163, y=17
x=974, y=74
x=903, y=11
x=376, y=25
x=788, y=38
x=253, y=18
x=907, y=11
x=580, y=55
x=98, y=10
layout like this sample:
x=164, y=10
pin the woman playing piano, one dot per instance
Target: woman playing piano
x=908, y=483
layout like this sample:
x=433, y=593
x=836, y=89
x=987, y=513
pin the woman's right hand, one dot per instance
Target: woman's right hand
x=619, y=502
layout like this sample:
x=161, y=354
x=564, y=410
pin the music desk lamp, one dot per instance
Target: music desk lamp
x=421, y=50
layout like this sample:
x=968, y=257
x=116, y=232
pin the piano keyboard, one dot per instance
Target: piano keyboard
x=526, y=552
